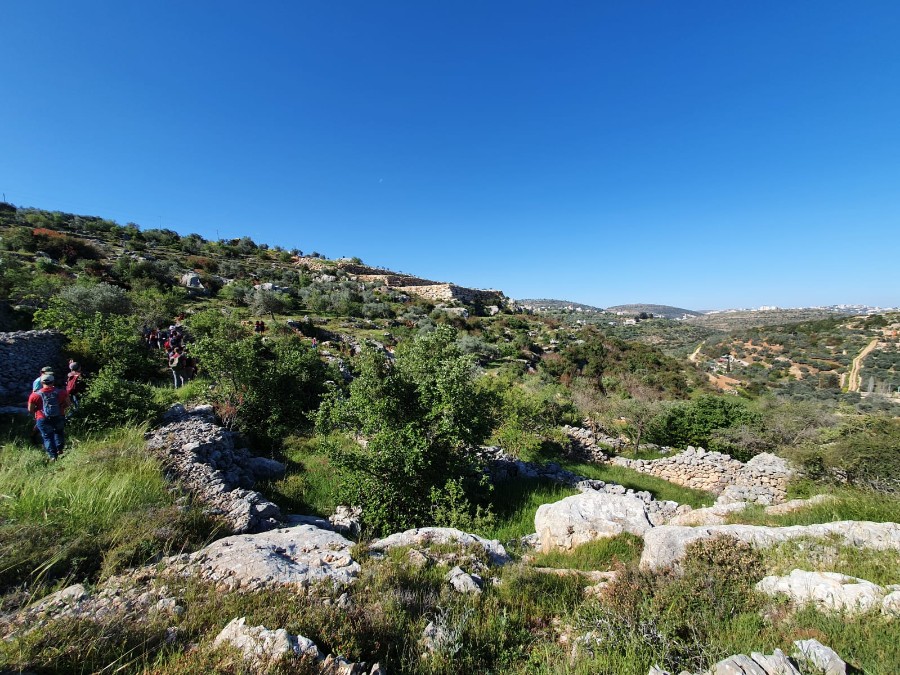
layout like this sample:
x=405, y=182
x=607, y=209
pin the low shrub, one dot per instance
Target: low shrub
x=111, y=401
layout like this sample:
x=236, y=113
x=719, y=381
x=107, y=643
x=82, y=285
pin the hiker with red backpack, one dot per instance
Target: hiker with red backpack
x=49, y=406
x=75, y=384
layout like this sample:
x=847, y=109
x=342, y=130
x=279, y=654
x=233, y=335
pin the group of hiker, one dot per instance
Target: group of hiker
x=173, y=341
x=50, y=403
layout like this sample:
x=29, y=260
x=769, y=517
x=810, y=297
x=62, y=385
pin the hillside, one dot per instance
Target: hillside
x=814, y=358
x=287, y=464
x=660, y=311
x=741, y=319
x=546, y=304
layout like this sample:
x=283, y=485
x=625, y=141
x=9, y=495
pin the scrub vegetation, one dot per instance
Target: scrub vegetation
x=380, y=399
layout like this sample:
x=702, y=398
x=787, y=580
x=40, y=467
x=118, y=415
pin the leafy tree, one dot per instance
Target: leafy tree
x=269, y=302
x=91, y=298
x=588, y=357
x=264, y=387
x=111, y=401
x=417, y=421
x=693, y=422
x=99, y=340
x=13, y=278
x=637, y=415
x=153, y=307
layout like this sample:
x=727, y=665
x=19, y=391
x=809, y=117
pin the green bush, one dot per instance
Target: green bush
x=111, y=401
x=265, y=387
x=693, y=422
x=99, y=340
x=867, y=456
x=419, y=417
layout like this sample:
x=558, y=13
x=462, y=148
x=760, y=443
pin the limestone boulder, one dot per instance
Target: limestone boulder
x=588, y=516
x=797, y=505
x=425, y=536
x=463, y=582
x=295, y=556
x=263, y=648
x=666, y=545
x=890, y=604
x=259, y=644
x=829, y=591
x=192, y=280
x=824, y=659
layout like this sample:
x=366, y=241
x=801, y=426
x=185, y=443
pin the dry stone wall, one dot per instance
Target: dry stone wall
x=206, y=460
x=762, y=480
x=22, y=355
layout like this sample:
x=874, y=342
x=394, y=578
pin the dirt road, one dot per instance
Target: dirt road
x=853, y=381
x=693, y=357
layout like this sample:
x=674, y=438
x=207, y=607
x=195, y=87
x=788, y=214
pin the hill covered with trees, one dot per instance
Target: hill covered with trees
x=395, y=406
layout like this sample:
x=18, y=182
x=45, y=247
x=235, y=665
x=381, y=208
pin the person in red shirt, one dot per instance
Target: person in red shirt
x=49, y=407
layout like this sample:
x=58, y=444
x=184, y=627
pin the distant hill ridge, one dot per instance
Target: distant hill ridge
x=664, y=311
x=551, y=304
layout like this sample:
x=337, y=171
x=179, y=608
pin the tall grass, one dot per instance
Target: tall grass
x=847, y=504
x=602, y=554
x=97, y=480
x=102, y=506
x=311, y=484
x=832, y=555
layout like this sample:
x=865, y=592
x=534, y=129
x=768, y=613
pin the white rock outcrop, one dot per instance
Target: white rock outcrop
x=666, y=545
x=257, y=643
x=463, y=582
x=829, y=591
x=295, y=556
x=588, y=516
x=711, y=515
x=192, y=280
x=823, y=658
x=809, y=655
x=425, y=536
x=262, y=648
x=890, y=604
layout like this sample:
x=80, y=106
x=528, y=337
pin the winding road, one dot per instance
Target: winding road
x=853, y=381
x=693, y=357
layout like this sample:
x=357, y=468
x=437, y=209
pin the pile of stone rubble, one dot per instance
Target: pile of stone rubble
x=206, y=461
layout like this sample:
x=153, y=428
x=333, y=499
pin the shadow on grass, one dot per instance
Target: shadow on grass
x=514, y=503
x=310, y=484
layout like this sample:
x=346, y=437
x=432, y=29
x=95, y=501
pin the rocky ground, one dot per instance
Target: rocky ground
x=271, y=550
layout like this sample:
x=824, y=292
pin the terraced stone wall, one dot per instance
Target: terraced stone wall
x=763, y=479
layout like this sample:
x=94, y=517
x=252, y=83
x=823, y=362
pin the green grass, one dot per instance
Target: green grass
x=310, y=484
x=166, y=395
x=831, y=555
x=515, y=502
x=602, y=554
x=97, y=480
x=103, y=506
x=659, y=488
x=848, y=504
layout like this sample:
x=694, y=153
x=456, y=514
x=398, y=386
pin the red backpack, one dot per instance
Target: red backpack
x=75, y=383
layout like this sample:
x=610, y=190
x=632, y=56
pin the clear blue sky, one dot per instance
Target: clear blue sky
x=701, y=154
